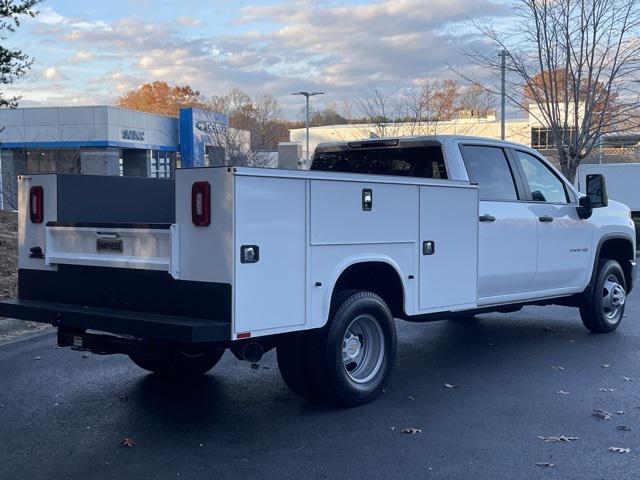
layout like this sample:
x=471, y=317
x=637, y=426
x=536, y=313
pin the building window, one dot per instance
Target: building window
x=161, y=164
x=542, y=138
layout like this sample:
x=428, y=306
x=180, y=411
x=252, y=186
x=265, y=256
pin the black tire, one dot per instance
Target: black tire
x=312, y=363
x=599, y=310
x=179, y=363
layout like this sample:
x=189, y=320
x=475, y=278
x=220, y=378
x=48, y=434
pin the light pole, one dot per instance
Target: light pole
x=307, y=95
x=503, y=67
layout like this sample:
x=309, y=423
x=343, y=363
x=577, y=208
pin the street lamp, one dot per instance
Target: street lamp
x=307, y=95
x=503, y=68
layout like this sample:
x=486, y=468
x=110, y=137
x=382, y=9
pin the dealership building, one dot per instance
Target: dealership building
x=527, y=130
x=108, y=140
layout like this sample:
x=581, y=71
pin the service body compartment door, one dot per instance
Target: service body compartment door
x=270, y=293
x=448, y=248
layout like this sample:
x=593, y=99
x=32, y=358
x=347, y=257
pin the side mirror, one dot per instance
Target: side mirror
x=597, y=191
x=585, y=209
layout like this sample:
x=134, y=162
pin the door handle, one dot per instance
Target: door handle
x=487, y=218
x=545, y=219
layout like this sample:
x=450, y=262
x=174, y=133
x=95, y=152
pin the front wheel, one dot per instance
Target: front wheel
x=603, y=310
x=179, y=362
x=347, y=362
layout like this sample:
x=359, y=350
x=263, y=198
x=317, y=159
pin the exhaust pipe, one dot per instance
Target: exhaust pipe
x=251, y=352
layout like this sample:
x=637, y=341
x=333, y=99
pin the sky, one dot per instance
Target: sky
x=91, y=52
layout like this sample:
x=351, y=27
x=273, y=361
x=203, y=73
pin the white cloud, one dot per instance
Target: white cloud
x=336, y=47
x=187, y=21
x=82, y=56
x=52, y=74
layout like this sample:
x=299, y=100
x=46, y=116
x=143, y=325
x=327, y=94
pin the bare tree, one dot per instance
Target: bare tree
x=255, y=125
x=476, y=102
x=379, y=109
x=574, y=66
x=411, y=111
x=266, y=120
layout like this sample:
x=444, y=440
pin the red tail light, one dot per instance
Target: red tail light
x=201, y=204
x=36, y=204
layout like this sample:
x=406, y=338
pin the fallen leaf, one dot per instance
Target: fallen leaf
x=605, y=365
x=624, y=428
x=619, y=450
x=626, y=379
x=127, y=442
x=410, y=431
x=558, y=439
x=557, y=367
x=603, y=414
x=545, y=464
x=448, y=385
x=562, y=392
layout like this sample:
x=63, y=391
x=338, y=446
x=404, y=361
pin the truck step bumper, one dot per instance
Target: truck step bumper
x=146, y=326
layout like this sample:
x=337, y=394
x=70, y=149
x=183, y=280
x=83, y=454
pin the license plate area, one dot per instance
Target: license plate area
x=109, y=245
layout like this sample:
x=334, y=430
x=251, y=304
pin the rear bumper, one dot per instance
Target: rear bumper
x=147, y=326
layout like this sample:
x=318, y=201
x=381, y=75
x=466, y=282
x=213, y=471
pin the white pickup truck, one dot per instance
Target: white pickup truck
x=319, y=263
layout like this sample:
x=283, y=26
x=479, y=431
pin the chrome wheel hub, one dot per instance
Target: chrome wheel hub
x=352, y=347
x=363, y=349
x=613, y=297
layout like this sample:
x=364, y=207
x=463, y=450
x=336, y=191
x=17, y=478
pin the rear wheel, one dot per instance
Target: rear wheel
x=603, y=310
x=350, y=360
x=179, y=362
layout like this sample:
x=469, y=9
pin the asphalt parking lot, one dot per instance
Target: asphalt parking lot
x=517, y=377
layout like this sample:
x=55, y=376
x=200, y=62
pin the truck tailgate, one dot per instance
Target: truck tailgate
x=136, y=246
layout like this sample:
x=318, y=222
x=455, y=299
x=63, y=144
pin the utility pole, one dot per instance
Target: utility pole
x=307, y=95
x=503, y=67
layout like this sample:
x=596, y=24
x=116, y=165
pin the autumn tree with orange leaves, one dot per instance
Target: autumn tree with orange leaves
x=161, y=98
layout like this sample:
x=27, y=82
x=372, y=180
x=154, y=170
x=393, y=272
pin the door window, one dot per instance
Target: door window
x=544, y=185
x=489, y=168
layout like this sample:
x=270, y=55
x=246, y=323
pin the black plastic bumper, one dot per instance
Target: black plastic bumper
x=148, y=326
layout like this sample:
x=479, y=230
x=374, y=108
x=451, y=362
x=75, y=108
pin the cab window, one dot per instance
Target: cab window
x=490, y=169
x=544, y=185
x=424, y=162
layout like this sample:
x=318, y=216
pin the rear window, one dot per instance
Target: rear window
x=425, y=162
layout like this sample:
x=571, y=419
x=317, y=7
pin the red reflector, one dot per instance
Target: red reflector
x=244, y=335
x=201, y=204
x=36, y=204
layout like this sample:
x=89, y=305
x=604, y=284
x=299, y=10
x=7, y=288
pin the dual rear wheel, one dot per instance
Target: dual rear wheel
x=177, y=362
x=349, y=361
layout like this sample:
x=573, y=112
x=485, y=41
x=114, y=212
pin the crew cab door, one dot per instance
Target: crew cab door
x=508, y=229
x=564, y=240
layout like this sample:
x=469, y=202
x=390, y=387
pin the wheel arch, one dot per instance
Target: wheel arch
x=619, y=247
x=380, y=275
